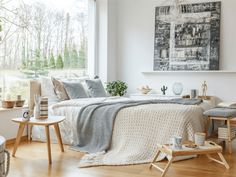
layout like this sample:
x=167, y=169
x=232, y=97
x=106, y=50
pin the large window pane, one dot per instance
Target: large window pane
x=42, y=37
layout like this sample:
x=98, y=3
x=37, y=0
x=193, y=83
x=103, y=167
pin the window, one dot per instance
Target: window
x=42, y=38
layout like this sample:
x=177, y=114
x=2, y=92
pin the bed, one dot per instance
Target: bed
x=136, y=130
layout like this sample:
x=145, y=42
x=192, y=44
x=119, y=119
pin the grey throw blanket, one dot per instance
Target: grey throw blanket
x=95, y=122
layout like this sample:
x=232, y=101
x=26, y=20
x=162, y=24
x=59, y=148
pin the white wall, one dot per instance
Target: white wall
x=106, y=40
x=135, y=50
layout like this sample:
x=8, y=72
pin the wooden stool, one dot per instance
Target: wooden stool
x=229, y=122
x=208, y=149
x=51, y=120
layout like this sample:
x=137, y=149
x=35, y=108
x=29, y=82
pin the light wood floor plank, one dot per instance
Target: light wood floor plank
x=31, y=160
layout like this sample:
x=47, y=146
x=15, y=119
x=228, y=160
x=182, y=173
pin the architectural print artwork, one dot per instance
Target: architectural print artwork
x=189, y=42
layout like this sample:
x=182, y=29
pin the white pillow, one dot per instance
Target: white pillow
x=227, y=104
x=47, y=89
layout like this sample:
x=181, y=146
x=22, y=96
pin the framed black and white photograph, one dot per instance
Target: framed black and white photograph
x=187, y=37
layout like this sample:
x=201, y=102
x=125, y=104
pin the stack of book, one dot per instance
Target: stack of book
x=223, y=132
x=44, y=108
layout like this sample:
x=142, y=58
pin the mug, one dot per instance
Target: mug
x=177, y=142
x=199, y=139
x=193, y=94
x=26, y=114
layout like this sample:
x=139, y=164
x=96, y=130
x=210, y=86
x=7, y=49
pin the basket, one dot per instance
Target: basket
x=20, y=103
x=223, y=132
x=8, y=104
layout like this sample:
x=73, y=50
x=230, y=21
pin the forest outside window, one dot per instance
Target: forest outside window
x=42, y=38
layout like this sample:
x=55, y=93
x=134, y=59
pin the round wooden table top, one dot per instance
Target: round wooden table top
x=51, y=120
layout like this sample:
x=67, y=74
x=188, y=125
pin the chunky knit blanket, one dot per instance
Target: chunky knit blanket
x=95, y=122
x=138, y=130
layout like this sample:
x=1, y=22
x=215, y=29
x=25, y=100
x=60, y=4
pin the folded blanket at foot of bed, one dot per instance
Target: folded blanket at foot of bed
x=95, y=122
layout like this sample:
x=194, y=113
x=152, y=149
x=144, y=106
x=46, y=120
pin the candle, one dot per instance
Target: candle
x=18, y=97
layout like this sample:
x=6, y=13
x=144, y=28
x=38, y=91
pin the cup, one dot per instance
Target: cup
x=193, y=94
x=177, y=142
x=199, y=138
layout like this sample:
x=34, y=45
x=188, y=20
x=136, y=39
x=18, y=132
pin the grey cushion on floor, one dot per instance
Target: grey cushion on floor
x=221, y=112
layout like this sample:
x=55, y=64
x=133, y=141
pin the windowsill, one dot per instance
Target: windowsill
x=13, y=109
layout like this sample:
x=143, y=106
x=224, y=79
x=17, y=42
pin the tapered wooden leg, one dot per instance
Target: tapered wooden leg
x=207, y=126
x=229, y=136
x=58, y=133
x=155, y=158
x=18, y=138
x=48, y=144
x=30, y=132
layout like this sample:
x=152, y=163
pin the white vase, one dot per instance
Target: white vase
x=37, y=111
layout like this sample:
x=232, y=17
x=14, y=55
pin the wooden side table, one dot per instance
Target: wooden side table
x=51, y=120
x=208, y=149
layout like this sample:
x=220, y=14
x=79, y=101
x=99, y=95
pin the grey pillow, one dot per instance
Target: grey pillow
x=96, y=88
x=59, y=89
x=75, y=90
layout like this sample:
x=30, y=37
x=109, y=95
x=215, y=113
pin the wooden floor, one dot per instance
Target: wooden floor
x=31, y=161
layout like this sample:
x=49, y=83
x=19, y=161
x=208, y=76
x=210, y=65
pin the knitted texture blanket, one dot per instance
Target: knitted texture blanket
x=138, y=130
x=95, y=122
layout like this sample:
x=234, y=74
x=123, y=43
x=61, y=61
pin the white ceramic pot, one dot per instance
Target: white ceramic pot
x=4, y=158
x=200, y=138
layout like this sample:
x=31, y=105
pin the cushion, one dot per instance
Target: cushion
x=95, y=88
x=221, y=112
x=59, y=89
x=47, y=89
x=75, y=90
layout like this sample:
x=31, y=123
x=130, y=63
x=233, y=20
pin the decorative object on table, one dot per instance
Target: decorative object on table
x=44, y=108
x=199, y=139
x=19, y=101
x=37, y=101
x=116, y=88
x=204, y=89
x=7, y=104
x=193, y=93
x=187, y=36
x=26, y=114
x=144, y=89
x=177, y=88
x=4, y=158
x=177, y=142
x=164, y=89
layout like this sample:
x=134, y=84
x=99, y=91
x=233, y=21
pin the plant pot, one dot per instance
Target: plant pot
x=20, y=103
x=8, y=104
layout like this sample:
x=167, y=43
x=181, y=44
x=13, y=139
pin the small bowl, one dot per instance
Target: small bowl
x=145, y=91
x=8, y=104
x=20, y=103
